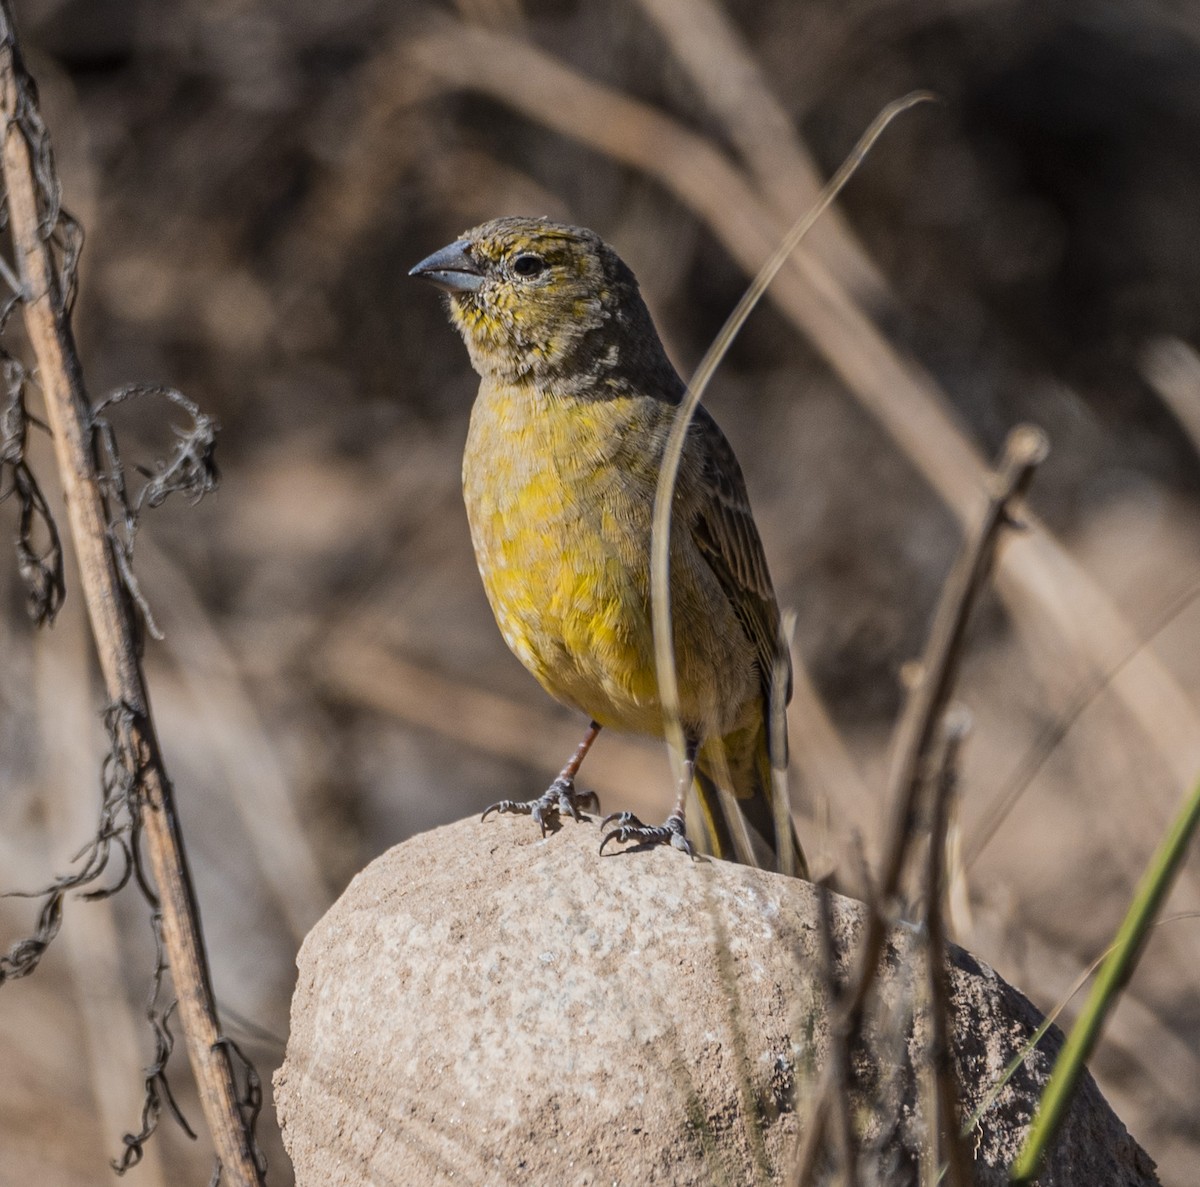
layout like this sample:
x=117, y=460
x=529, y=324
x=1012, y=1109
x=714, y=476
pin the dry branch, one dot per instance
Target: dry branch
x=912, y=768
x=46, y=312
x=946, y=1134
x=839, y=1055
x=927, y=702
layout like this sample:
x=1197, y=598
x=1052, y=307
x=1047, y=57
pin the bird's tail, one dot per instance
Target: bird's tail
x=742, y=823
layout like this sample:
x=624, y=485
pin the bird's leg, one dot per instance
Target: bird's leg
x=561, y=795
x=627, y=827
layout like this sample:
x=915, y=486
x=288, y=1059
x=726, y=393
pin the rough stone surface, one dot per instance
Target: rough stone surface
x=482, y=1006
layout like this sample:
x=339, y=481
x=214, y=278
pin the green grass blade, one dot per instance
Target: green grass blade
x=1111, y=980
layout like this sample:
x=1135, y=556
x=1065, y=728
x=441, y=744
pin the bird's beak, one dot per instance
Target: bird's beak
x=451, y=269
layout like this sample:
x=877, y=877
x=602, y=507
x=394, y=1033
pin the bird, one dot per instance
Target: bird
x=576, y=400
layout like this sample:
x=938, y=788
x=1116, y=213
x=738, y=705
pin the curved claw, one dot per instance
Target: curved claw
x=544, y=814
x=615, y=835
x=502, y=806
x=621, y=818
x=630, y=828
x=559, y=797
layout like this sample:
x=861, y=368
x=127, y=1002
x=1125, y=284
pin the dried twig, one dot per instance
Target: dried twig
x=39, y=233
x=1024, y=452
x=839, y=1045
x=41, y=568
x=946, y=1133
x=915, y=735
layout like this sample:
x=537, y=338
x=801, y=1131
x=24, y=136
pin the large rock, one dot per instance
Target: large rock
x=482, y=1006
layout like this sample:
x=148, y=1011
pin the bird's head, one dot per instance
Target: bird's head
x=539, y=301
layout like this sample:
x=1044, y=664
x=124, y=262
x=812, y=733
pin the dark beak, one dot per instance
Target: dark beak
x=451, y=269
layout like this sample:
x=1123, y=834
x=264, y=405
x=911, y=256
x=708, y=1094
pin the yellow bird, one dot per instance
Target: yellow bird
x=576, y=400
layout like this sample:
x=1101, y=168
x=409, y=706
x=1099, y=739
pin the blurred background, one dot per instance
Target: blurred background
x=255, y=178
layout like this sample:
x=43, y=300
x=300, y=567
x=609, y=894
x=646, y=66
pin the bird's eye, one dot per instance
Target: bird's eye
x=528, y=265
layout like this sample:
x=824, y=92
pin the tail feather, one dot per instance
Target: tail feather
x=745, y=770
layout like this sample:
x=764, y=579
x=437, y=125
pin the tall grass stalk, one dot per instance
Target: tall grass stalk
x=660, y=540
x=1114, y=975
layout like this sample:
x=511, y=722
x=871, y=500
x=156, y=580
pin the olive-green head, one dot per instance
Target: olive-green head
x=545, y=302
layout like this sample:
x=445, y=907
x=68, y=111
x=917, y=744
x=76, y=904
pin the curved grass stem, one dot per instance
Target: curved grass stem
x=660, y=546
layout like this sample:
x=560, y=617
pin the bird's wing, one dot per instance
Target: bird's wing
x=727, y=537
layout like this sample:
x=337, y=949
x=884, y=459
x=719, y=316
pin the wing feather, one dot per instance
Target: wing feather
x=728, y=539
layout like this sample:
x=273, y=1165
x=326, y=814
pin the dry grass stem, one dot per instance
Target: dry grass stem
x=920, y=721
x=47, y=322
x=724, y=70
x=945, y=1129
x=660, y=536
x=1172, y=367
x=912, y=767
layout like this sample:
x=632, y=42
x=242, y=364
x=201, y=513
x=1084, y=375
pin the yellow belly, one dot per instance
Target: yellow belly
x=560, y=512
x=554, y=530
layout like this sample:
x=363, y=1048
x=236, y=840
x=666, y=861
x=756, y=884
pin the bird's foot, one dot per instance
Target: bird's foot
x=561, y=796
x=627, y=827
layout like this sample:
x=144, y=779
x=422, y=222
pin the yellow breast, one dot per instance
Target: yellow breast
x=560, y=519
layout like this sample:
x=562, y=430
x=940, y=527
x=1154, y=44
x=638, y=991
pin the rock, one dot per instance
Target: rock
x=482, y=1006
